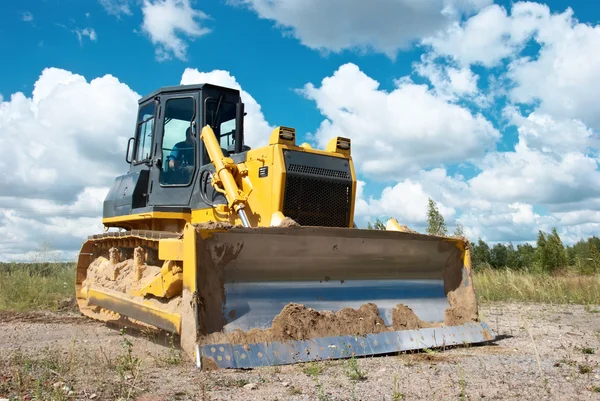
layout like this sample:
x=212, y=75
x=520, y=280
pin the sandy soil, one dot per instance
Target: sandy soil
x=543, y=352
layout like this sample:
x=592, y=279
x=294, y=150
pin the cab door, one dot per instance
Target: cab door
x=175, y=159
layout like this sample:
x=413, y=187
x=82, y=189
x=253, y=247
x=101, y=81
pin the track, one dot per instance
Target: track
x=124, y=243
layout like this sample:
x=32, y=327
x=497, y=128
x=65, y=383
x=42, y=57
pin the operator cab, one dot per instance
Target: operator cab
x=168, y=160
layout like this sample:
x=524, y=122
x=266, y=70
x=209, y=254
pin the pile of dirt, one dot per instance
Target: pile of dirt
x=288, y=222
x=463, y=307
x=403, y=318
x=297, y=322
x=120, y=277
x=214, y=225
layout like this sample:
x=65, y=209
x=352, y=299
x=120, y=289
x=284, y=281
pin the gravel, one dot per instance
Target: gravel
x=543, y=352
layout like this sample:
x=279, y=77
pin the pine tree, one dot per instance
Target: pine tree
x=436, y=226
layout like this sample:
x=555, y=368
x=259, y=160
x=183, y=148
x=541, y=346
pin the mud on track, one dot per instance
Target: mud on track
x=544, y=352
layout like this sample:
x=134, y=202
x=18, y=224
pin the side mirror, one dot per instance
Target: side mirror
x=128, y=156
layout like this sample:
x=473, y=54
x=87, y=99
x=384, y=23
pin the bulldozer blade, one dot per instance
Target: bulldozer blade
x=253, y=355
x=264, y=293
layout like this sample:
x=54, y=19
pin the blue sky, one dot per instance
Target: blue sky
x=497, y=122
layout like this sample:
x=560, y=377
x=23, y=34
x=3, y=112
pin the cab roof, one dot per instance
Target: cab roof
x=186, y=88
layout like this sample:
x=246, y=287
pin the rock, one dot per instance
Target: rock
x=285, y=384
x=93, y=396
x=58, y=384
x=251, y=386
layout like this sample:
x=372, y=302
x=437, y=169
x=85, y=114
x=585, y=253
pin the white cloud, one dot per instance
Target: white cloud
x=27, y=16
x=550, y=164
x=164, y=22
x=382, y=25
x=406, y=201
x=490, y=36
x=116, y=7
x=561, y=79
x=62, y=148
x=89, y=32
x=256, y=129
x=565, y=76
x=396, y=133
x=450, y=83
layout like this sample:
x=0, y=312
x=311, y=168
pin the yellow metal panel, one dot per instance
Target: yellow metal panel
x=147, y=216
x=170, y=249
x=140, y=310
x=264, y=194
x=189, y=258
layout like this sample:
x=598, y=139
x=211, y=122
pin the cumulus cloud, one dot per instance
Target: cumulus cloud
x=382, y=25
x=396, y=133
x=561, y=78
x=61, y=148
x=489, y=36
x=256, y=129
x=564, y=78
x=166, y=20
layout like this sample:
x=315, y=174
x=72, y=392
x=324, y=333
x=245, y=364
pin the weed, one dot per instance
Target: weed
x=596, y=389
x=588, y=350
x=463, y=384
x=584, y=369
x=312, y=369
x=396, y=395
x=352, y=370
x=127, y=362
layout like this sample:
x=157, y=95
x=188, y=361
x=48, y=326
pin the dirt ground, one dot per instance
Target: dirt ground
x=549, y=352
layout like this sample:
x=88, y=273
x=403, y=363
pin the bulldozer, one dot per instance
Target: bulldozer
x=251, y=256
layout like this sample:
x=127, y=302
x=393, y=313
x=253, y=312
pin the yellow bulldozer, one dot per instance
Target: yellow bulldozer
x=252, y=257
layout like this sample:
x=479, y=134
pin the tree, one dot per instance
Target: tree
x=436, y=226
x=541, y=254
x=513, y=261
x=526, y=255
x=480, y=257
x=459, y=231
x=499, y=256
x=557, y=257
x=378, y=225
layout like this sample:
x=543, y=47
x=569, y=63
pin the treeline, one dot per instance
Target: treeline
x=548, y=255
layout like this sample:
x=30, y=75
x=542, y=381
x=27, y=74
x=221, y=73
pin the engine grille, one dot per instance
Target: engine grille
x=318, y=189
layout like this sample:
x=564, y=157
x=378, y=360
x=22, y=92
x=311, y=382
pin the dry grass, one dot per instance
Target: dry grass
x=510, y=285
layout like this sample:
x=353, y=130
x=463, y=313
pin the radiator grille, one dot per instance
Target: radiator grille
x=324, y=172
x=317, y=201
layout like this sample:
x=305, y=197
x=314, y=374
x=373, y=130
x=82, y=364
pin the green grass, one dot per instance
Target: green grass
x=35, y=286
x=510, y=285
